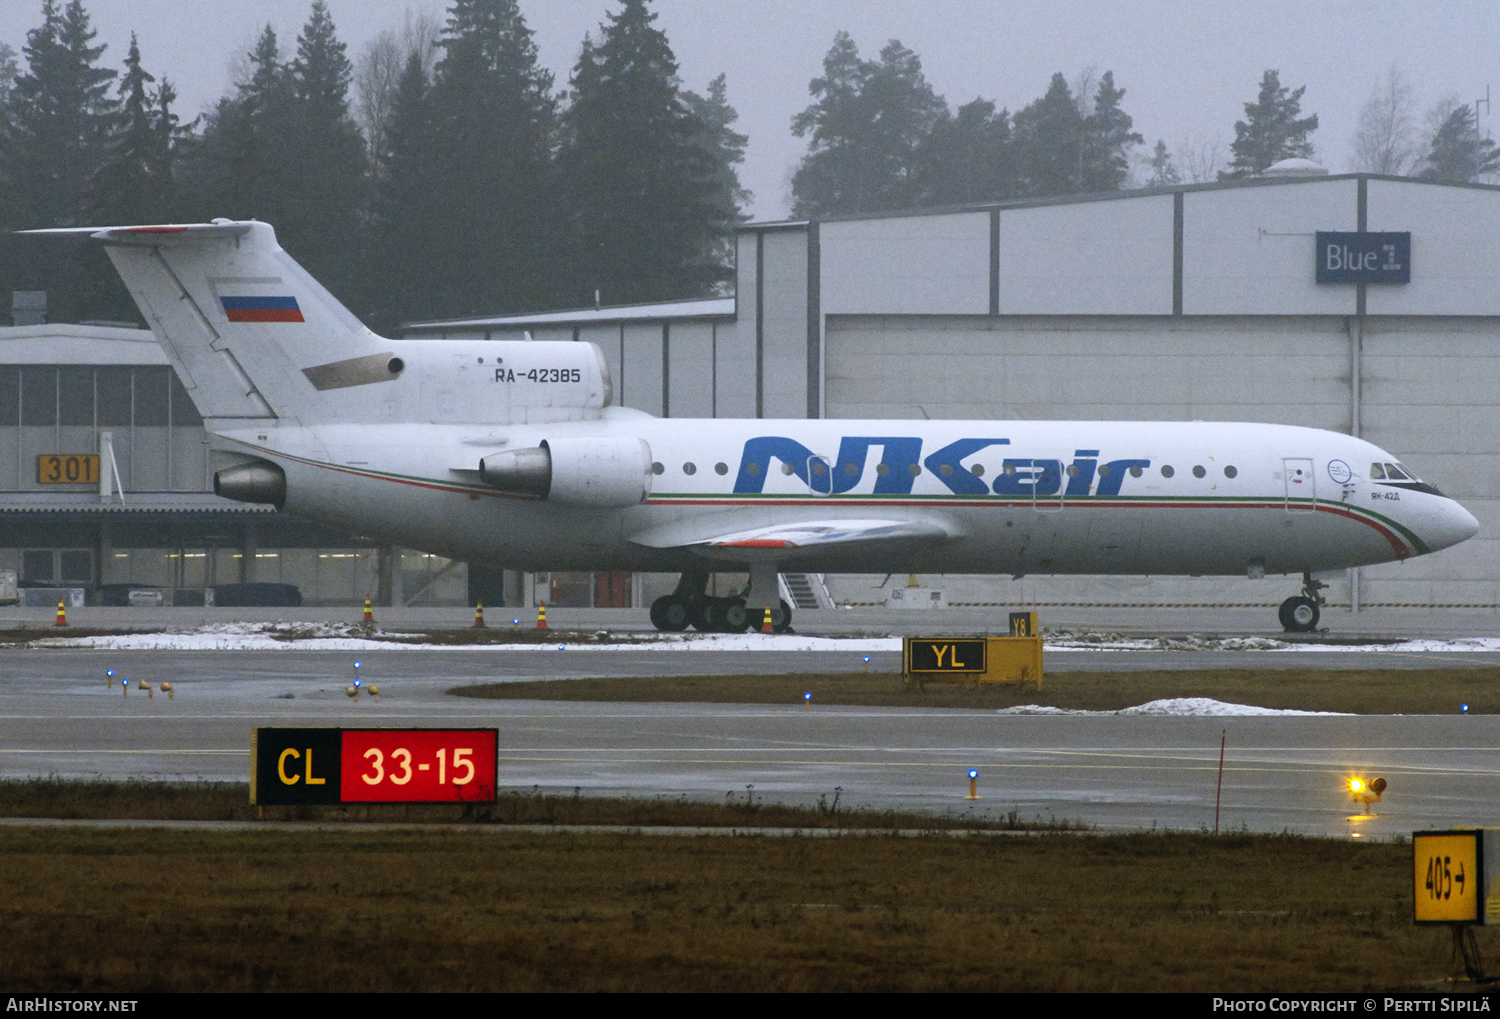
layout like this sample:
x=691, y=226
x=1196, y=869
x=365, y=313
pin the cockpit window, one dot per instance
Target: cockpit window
x=1401, y=476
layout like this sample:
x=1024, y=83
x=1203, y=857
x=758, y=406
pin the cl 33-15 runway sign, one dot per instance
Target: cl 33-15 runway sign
x=372, y=765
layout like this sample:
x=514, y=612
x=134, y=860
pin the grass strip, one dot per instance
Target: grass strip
x=91, y=910
x=1356, y=691
x=230, y=801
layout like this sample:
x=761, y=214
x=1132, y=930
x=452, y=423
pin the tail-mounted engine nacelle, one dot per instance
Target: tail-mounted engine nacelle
x=259, y=481
x=580, y=472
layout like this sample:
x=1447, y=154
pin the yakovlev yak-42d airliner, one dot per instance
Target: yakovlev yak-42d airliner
x=511, y=453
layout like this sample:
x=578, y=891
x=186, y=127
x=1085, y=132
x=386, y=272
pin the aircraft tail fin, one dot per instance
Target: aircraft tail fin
x=251, y=334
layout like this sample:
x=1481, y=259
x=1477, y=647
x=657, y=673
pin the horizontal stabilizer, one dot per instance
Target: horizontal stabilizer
x=152, y=236
x=248, y=331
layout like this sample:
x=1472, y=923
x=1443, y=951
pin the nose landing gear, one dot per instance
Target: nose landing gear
x=1300, y=614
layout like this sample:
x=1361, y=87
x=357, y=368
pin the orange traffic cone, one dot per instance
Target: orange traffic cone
x=765, y=621
x=541, y=616
x=62, y=615
x=369, y=615
x=479, y=615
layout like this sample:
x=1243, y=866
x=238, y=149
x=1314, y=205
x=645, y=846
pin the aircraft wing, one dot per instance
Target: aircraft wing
x=775, y=541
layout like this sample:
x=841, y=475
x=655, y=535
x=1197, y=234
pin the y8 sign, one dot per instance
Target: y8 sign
x=417, y=766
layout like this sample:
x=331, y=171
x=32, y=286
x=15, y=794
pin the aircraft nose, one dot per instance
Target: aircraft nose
x=1452, y=525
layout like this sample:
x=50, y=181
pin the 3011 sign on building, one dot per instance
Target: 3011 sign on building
x=67, y=469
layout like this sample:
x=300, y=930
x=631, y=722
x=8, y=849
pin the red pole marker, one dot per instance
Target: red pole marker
x=1219, y=793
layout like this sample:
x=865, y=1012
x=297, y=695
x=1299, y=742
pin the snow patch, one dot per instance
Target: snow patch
x=354, y=637
x=1184, y=707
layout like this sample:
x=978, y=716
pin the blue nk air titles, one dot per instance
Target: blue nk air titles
x=901, y=462
x=512, y=453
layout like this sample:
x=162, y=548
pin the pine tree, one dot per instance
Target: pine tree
x=967, y=157
x=1271, y=130
x=134, y=183
x=724, y=145
x=1107, y=140
x=236, y=171
x=869, y=126
x=10, y=70
x=1049, y=143
x=285, y=150
x=403, y=250
x=724, y=149
x=1162, y=172
x=493, y=122
x=57, y=119
x=325, y=168
x=59, y=115
x=1459, y=154
x=649, y=185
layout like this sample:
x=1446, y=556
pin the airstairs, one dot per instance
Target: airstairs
x=806, y=591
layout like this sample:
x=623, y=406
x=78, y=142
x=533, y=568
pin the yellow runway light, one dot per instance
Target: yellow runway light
x=1366, y=790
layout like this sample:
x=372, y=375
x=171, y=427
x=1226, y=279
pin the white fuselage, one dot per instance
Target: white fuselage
x=511, y=453
x=1073, y=497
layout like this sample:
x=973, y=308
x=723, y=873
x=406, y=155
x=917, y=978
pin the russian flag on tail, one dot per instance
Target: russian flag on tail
x=262, y=309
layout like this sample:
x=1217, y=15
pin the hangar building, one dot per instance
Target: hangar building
x=105, y=482
x=1198, y=302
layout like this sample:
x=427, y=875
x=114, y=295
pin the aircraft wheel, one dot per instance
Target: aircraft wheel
x=1299, y=615
x=713, y=616
x=698, y=617
x=781, y=617
x=669, y=614
x=735, y=616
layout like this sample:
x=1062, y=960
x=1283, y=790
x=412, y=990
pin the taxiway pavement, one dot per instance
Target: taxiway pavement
x=58, y=717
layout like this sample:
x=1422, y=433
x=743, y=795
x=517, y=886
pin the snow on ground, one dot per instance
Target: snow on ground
x=343, y=637
x=1195, y=707
x=351, y=637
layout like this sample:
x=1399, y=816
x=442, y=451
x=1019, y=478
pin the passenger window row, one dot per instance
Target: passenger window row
x=819, y=467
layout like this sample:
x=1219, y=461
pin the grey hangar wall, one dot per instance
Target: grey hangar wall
x=1191, y=303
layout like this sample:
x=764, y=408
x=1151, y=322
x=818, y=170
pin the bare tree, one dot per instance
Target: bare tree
x=1083, y=86
x=1158, y=169
x=1386, y=140
x=379, y=69
x=1199, y=159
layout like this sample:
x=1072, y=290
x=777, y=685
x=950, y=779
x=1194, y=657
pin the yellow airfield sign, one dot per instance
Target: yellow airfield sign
x=973, y=659
x=1453, y=876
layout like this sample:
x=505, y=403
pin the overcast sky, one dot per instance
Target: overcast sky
x=1187, y=67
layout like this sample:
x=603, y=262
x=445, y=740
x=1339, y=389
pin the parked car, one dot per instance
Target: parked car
x=137, y=595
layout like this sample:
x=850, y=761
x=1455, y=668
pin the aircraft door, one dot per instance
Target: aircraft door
x=1301, y=486
x=820, y=475
x=1047, y=485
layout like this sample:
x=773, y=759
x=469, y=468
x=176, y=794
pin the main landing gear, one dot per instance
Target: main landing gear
x=691, y=605
x=1300, y=614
